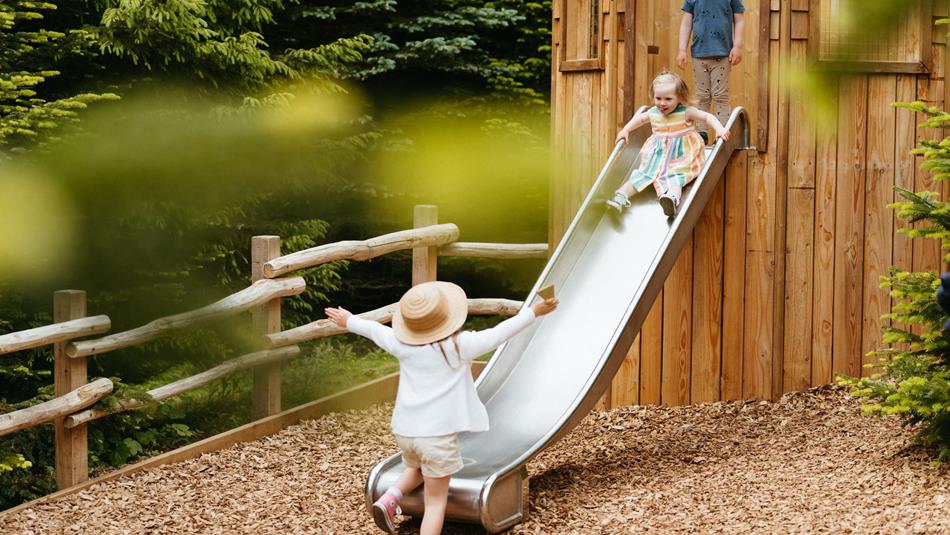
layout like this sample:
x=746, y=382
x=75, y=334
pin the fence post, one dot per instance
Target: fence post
x=424, y=259
x=72, y=446
x=265, y=397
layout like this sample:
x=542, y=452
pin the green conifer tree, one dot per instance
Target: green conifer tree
x=914, y=381
x=29, y=55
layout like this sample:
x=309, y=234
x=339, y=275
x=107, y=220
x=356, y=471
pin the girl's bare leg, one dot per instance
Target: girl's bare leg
x=409, y=480
x=436, y=496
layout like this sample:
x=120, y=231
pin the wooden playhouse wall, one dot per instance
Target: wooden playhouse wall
x=738, y=319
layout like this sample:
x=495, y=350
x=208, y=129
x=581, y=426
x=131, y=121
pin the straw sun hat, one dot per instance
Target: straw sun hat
x=429, y=311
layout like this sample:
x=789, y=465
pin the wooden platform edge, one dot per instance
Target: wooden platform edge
x=361, y=396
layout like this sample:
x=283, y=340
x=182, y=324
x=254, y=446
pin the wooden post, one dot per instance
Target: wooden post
x=424, y=259
x=72, y=447
x=265, y=397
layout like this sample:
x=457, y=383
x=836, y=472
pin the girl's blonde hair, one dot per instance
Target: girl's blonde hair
x=681, y=89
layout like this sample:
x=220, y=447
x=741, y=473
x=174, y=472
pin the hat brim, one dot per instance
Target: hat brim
x=458, y=310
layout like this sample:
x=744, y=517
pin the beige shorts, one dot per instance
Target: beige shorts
x=436, y=456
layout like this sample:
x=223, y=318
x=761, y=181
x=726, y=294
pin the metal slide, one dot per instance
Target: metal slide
x=607, y=271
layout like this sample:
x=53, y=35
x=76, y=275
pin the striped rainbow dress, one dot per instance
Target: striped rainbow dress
x=672, y=155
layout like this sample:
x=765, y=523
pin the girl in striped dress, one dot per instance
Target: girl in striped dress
x=674, y=155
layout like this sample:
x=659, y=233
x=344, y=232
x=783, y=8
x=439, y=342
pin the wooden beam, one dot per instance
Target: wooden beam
x=268, y=356
x=425, y=259
x=51, y=334
x=323, y=328
x=504, y=251
x=250, y=297
x=431, y=236
x=265, y=319
x=72, y=445
x=57, y=407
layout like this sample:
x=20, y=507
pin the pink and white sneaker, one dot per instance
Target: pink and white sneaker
x=385, y=510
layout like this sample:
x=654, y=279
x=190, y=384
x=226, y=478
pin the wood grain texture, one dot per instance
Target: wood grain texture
x=878, y=217
x=254, y=295
x=57, y=407
x=360, y=250
x=849, y=225
x=501, y=251
x=187, y=384
x=733, y=285
x=707, y=285
x=50, y=334
x=677, y=329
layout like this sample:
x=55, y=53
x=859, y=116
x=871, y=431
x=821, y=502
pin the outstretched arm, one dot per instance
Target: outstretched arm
x=694, y=114
x=638, y=120
x=380, y=334
x=480, y=342
x=686, y=28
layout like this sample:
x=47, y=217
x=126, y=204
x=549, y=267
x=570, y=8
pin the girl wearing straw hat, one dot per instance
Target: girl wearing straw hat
x=436, y=398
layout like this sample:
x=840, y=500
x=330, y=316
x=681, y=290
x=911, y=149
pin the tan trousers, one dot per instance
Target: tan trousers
x=712, y=85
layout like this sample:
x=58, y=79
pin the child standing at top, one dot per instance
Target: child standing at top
x=674, y=155
x=717, y=27
x=436, y=398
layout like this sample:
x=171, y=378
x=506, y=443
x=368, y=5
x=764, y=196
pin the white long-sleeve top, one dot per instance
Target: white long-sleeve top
x=434, y=397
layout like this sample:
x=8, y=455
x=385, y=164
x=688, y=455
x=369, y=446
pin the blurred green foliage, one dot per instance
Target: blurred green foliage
x=227, y=120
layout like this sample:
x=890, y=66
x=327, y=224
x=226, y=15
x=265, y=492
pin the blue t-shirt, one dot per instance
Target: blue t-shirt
x=712, y=26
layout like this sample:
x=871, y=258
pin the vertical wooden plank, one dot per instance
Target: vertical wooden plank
x=630, y=62
x=705, y=371
x=926, y=251
x=905, y=138
x=733, y=285
x=677, y=305
x=823, y=326
x=781, y=207
x=72, y=446
x=760, y=258
x=424, y=259
x=625, y=388
x=763, y=59
x=878, y=220
x=798, y=289
x=265, y=396
x=651, y=354
x=799, y=250
x=849, y=225
x=643, y=68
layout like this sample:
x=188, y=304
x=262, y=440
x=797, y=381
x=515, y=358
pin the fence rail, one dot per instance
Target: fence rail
x=363, y=250
x=501, y=251
x=72, y=408
x=79, y=398
x=51, y=334
x=189, y=383
x=254, y=295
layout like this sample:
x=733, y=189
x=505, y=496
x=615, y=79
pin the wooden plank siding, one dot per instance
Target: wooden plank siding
x=779, y=287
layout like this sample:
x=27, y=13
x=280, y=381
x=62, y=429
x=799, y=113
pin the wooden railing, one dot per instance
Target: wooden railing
x=71, y=410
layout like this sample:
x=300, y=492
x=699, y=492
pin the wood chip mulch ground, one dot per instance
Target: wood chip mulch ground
x=806, y=464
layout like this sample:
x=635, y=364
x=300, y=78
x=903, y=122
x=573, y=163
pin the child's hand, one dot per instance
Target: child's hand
x=735, y=56
x=544, y=306
x=722, y=133
x=681, y=59
x=338, y=315
x=622, y=135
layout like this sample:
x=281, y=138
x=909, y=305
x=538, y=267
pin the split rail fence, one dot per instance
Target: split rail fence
x=72, y=409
